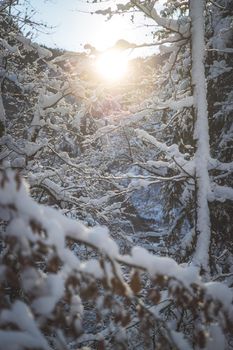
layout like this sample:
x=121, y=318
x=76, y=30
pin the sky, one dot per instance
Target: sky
x=73, y=29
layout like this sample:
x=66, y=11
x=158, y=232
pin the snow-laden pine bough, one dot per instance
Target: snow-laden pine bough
x=52, y=298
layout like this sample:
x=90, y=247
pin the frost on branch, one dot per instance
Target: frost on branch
x=51, y=299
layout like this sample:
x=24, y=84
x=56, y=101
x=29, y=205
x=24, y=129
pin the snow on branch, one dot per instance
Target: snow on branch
x=172, y=151
x=201, y=133
x=221, y=193
x=48, y=101
x=170, y=24
x=9, y=48
x=29, y=46
x=2, y=111
x=186, y=102
x=27, y=335
x=217, y=165
x=13, y=194
x=26, y=148
x=47, y=294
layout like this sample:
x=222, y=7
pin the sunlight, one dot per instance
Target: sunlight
x=112, y=65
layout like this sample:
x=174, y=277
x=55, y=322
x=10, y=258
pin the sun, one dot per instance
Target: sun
x=112, y=65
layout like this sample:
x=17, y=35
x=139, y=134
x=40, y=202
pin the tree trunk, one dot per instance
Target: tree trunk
x=201, y=133
x=2, y=116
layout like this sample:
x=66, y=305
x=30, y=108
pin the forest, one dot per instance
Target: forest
x=116, y=196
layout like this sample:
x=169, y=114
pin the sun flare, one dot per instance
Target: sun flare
x=112, y=65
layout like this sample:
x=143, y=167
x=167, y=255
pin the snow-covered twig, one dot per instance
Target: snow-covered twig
x=170, y=24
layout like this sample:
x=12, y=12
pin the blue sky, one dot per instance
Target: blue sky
x=74, y=29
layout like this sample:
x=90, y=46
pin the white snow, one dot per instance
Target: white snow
x=174, y=25
x=51, y=285
x=49, y=100
x=221, y=292
x=216, y=339
x=12, y=49
x=54, y=289
x=180, y=341
x=57, y=226
x=29, y=46
x=30, y=335
x=177, y=104
x=221, y=193
x=201, y=133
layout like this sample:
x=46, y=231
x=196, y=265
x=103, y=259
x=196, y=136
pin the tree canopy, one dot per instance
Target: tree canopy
x=116, y=199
